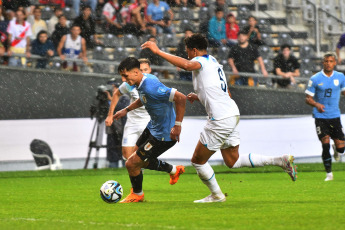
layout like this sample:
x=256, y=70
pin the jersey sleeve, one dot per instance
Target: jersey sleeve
x=342, y=84
x=311, y=87
x=163, y=93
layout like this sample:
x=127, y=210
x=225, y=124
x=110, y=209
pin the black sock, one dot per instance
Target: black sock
x=137, y=182
x=326, y=158
x=158, y=165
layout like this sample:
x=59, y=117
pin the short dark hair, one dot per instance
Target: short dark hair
x=329, y=54
x=41, y=32
x=86, y=7
x=128, y=64
x=197, y=41
x=219, y=9
x=285, y=46
x=243, y=31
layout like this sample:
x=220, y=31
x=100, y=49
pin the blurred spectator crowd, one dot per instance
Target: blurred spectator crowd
x=114, y=29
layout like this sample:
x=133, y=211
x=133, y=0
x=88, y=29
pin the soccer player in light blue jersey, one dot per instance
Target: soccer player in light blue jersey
x=162, y=131
x=323, y=93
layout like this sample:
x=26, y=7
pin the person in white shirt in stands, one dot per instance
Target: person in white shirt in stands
x=220, y=132
x=19, y=33
x=136, y=119
x=54, y=20
x=72, y=46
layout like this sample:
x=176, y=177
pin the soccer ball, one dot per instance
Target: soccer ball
x=111, y=191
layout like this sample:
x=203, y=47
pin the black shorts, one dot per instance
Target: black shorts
x=150, y=147
x=329, y=127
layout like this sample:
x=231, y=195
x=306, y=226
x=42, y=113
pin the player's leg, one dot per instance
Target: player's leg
x=337, y=135
x=233, y=159
x=323, y=132
x=206, y=174
x=134, y=165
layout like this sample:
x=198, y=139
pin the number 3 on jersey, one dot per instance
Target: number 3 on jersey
x=221, y=77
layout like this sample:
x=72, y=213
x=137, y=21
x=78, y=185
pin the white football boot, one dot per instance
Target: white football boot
x=329, y=176
x=212, y=198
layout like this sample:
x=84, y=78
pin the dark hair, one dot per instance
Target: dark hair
x=197, y=41
x=251, y=16
x=128, y=64
x=219, y=9
x=37, y=8
x=41, y=32
x=188, y=28
x=245, y=32
x=330, y=54
x=62, y=15
x=86, y=7
x=56, y=8
x=285, y=46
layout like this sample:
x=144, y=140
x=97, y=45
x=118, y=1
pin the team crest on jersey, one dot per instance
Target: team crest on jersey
x=162, y=90
x=336, y=82
x=148, y=146
x=144, y=99
x=310, y=83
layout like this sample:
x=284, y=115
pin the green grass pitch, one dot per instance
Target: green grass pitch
x=260, y=198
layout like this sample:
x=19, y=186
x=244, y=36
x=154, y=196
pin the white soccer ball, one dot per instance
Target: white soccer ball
x=111, y=192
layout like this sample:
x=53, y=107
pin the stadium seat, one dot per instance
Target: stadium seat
x=307, y=63
x=184, y=24
x=130, y=40
x=330, y=6
x=46, y=13
x=99, y=53
x=265, y=52
x=69, y=13
x=331, y=26
x=268, y=64
x=242, y=23
x=110, y=40
x=265, y=26
x=203, y=14
x=267, y=39
x=101, y=68
x=120, y=53
x=243, y=13
x=223, y=52
x=306, y=51
x=43, y=156
x=308, y=12
x=285, y=38
x=305, y=73
x=169, y=40
x=226, y=66
x=185, y=13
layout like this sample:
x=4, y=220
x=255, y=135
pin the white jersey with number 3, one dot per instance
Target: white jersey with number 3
x=210, y=85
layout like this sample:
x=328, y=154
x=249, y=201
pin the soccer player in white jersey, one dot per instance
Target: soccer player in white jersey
x=137, y=119
x=220, y=132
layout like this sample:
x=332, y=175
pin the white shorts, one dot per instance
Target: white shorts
x=131, y=134
x=221, y=134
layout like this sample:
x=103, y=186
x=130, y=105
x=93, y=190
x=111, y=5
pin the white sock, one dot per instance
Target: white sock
x=173, y=171
x=255, y=160
x=206, y=174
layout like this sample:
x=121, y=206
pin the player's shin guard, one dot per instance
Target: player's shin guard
x=137, y=183
x=326, y=158
x=206, y=174
x=158, y=165
x=254, y=160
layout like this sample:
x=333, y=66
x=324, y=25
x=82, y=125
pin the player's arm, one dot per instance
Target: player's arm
x=175, y=60
x=310, y=101
x=113, y=103
x=180, y=104
x=123, y=112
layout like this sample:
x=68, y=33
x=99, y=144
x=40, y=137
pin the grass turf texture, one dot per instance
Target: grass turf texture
x=260, y=198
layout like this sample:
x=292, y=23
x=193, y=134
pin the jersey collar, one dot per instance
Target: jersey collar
x=142, y=80
x=326, y=75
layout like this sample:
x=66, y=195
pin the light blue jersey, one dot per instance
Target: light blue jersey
x=326, y=90
x=157, y=99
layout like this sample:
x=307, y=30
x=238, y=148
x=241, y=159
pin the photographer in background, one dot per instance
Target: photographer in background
x=115, y=131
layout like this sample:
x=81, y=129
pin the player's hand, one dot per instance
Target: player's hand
x=109, y=120
x=320, y=107
x=120, y=114
x=150, y=45
x=192, y=97
x=175, y=133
